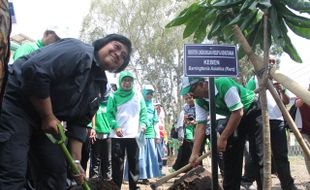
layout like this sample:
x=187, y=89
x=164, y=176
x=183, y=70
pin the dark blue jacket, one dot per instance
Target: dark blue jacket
x=67, y=72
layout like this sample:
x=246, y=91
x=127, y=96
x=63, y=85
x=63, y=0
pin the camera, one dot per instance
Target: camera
x=190, y=118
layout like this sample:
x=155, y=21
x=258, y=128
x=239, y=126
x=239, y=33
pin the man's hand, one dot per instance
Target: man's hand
x=49, y=124
x=44, y=109
x=193, y=160
x=221, y=144
x=81, y=176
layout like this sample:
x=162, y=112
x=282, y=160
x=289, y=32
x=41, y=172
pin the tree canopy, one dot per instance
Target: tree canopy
x=221, y=15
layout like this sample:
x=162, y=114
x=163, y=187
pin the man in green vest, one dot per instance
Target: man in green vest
x=239, y=105
x=49, y=37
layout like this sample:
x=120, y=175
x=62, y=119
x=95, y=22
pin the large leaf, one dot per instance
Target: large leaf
x=224, y=4
x=303, y=32
x=227, y=33
x=193, y=23
x=250, y=18
x=295, y=19
x=264, y=4
x=216, y=27
x=252, y=24
x=237, y=19
x=201, y=32
x=291, y=51
x=288, y=46
x=185, y=15
x=275, y=28
x=247, y=4
x=298, y=5
x=211, y=15
x=256, y=35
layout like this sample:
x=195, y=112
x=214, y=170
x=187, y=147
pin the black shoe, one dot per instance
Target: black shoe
x=245, y=182
x=292, y=187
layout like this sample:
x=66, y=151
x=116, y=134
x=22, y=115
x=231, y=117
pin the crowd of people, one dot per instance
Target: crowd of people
x=119, y=130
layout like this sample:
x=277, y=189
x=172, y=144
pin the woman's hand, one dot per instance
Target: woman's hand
x=143, y=129
x=119, y=132
x=92, y=135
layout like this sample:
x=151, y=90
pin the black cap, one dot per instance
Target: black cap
x=98, y=44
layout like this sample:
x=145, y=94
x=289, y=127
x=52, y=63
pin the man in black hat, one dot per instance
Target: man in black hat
x=61, y=82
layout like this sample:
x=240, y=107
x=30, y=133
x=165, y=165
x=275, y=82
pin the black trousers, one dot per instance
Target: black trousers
x=48, y=161
x=184, y=154
x=86, y=150
x=233, y=156
x=279, y=154
x=100, y=157
x=119, y=147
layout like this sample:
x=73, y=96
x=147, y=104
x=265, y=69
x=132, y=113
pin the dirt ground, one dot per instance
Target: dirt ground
x=298, y=170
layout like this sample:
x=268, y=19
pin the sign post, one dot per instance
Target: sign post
x=12, y=12
x=211, y=61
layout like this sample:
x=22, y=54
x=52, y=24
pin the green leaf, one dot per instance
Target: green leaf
x=300, y=31
x=249, y=19
x=185, y=15
x=275, y=30
x=193, y=23
x=256, y=35
x=215, y=27
x=237, y=19
x=298, y=5
x=295, y=19
x=291, y=51
x=253, y=6
x=201, y=32
x=264, y=4
x=288, y=46
x=224, y=4
x=246, y=5
x=228, y=33
x=209, y=17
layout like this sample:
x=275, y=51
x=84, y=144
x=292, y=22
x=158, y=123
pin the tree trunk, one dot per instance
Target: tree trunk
x=5, y=30
x=265, y=116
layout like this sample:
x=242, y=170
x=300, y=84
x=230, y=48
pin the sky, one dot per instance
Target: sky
x=33, y=17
